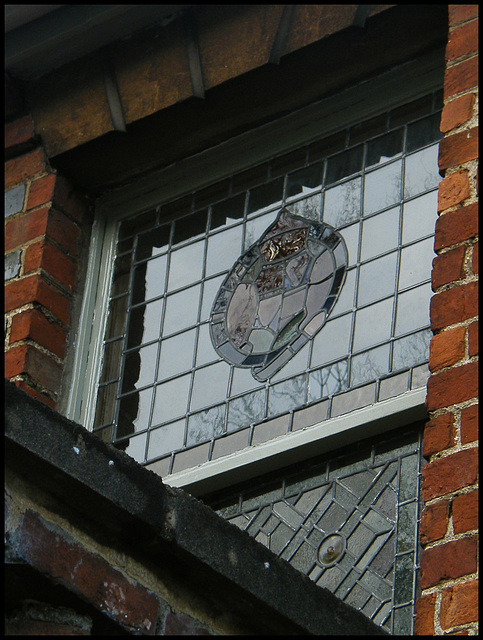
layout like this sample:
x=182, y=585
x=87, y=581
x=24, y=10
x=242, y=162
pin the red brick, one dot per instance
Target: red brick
x=465, y=512
x=448, y=267
x=19, y=132
x=41, y=191
x=439, y=434
x=45, y=547
x=447, y=348
x=457, y=112
x=452, y=386
x=473, y=339
x=54, y=301
x=26, y=360
x=43, y=369
x=469, y=424
x=20, y=292
x=462, y=41
x=453, y=190
x=52, y=261
x=33, y=325
x=456, y=226
x=15, y=361
x=458, y=148
x=63, y=231
x=456, y=471
x=461, y=77
x=434, y=522
x=42, y=397
x=25, y=228
x=454, y=305
x=70, y=200
x=26, y=166
x=451, y=560
x=461, y=12
x=424, y=620
x=459, y=605
x=34, y=289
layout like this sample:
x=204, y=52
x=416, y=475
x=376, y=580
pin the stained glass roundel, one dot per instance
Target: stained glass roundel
x=278, y=294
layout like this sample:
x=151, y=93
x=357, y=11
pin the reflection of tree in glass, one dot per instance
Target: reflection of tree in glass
x=412, y=350
x=365, y=368
x=206, y=425
x=394, y=195
x=246, y=409
x=287, y=395
x=329, y=380
x=350, y=202
x=334, y=378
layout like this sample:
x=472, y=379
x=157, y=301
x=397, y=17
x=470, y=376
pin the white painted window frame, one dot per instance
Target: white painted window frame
x=403, y=84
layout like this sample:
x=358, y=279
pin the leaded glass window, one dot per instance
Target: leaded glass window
x=348, y=521
x=288, y=294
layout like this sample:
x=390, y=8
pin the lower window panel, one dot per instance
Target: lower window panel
x=348, y=520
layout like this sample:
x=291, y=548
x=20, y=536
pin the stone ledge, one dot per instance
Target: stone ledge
x=133, y=507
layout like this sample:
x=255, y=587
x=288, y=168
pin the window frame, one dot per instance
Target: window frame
x=399, y=85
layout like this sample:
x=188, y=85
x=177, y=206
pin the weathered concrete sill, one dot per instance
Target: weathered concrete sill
x=104, y=492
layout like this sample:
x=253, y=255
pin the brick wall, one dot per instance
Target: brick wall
x=45, y=220
x=449, y=599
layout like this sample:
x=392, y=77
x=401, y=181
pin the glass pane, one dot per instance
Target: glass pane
x=344, y=164
x=246, y=410
x=176, y=354
x=189, y=227
x=134, y=411
x=411, y=350
x=171, y=399
x=377, y=279
x=373, y=324
x=205, y=425
x=416, y=263
x=370, y=365
x=380, y=233
x=423, y=132
x=166, y=439
x=384, y=148
x=421, y=172
x=413, y=309
x=309, y=208
x=382, y=187
x=265, y=196
x=287, y=395
x=144, y=323
x=153, y=242
x=139, y=368
x=186, y=266
x=328, y=380
x=342, y=204
x=333, y=341
x=149, y=280
x=181, y=310
x=228, y=211
x=419, y=217
x=304, y=180
x=210, y=385
x=135, y=447
x=223, y=249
